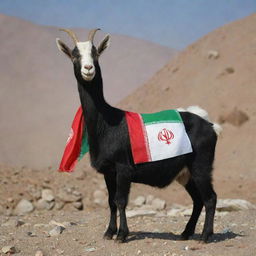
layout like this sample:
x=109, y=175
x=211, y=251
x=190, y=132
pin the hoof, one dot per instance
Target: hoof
x=184, y=236
x=108, y=235
x=120, y=240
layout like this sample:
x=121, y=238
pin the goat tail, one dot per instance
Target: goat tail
x=202, y=113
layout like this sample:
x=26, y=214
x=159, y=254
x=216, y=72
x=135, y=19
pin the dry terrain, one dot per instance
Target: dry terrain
x=217, y=73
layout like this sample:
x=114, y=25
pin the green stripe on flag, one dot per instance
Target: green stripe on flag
x=166, y=116
x=84, y=146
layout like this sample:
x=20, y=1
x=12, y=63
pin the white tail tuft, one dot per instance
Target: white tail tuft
x=217, y=128
x=202, y=113
x=198, y=111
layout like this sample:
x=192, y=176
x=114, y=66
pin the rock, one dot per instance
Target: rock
x=64, y=224
x=78, y=205
x=34, y=192
x=186, y=212
x=99, y=197
x=24, y=207
x=56, y=231
x=158, y=204
x=8, y=249
x=79, y=174
x=90, y=249
x=47, y=195
x=42, y=204
x=174, y=212
x=229, y=70
x=230, y=205
x=139, y=212
x=235, y=117
x=139, y=201
x=31, y=234
x=213, y=54
x=149, y=199
x=39, y=253
x=68, y=197
x=59, y=205
x=13, y=223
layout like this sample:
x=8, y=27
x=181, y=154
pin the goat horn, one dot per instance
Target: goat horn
x=92, y=34
x=71, y=33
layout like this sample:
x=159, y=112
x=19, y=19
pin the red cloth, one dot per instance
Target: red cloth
x=74, y=142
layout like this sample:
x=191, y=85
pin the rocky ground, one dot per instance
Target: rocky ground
x=51, y=213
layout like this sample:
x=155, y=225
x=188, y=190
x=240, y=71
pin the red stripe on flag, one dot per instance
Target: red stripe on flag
x=138, y=138
x=74, y=142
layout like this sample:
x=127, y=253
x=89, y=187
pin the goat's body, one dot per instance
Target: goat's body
x=110, y=153
x=110, y=149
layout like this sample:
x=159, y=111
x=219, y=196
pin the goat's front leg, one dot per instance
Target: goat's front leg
x=110, y=179
x=123, y=182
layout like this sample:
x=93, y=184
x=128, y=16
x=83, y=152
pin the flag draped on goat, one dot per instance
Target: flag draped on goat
x=157, y=136
x=153, y=137
x=77, y=144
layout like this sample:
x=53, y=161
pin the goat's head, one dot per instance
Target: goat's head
x=85, y=55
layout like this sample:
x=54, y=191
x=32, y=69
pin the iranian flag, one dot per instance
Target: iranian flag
x=77, y=144
x=153, y=137
x=157, y=136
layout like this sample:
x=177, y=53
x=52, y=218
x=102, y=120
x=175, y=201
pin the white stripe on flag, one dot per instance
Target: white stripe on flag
x=167, y=140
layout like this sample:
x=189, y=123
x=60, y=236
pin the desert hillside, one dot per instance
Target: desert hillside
x=38, y=94
x=217, y=73
x=43, y=212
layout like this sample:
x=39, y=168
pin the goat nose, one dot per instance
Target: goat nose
x=88, y=67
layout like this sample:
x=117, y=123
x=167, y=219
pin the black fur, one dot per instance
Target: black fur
x=110, y=154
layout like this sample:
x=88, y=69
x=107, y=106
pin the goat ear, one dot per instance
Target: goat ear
x=63, y=48
x=104, y=44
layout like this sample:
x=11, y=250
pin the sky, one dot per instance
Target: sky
x=173, y=23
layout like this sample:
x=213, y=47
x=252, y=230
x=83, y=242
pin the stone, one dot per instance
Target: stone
x=23, y=207
x=8, y=249
x=90, y=249
x=229, y=205
x=174, y=212
x=139, y=212
x=158, y=204
x=31, y=234
x=149, y=199
x=47, y=195
x=213, y=54
x=59, y=205
x=39, y=253
x=99, y=197
x=13, y=223
x=42, y=204
x=139, y=201
x=56, y=231
x=68, y=196
x=78, y=205
x=34, y=192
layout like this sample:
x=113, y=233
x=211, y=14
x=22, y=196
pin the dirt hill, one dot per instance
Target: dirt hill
x=217, y=73
x=38, y=94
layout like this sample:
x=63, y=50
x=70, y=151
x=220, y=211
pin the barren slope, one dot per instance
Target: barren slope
x=219, y=84
x=38, y=94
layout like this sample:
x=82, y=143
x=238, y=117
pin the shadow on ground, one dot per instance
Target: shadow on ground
x=217, y=237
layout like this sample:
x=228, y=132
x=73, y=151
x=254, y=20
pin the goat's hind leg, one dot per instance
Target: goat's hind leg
x=197, y=208
x=110, y=179
x=209, y=198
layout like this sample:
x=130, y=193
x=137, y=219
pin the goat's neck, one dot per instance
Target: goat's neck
x=98, y=114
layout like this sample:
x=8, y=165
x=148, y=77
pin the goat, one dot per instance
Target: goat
x=110, y=149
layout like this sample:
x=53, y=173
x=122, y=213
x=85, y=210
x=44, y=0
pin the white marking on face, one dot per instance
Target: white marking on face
x=87, y=65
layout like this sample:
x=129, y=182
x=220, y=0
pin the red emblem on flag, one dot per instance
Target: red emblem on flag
x=165, y=135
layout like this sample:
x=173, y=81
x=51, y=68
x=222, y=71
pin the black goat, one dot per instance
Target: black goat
x=110, y=149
